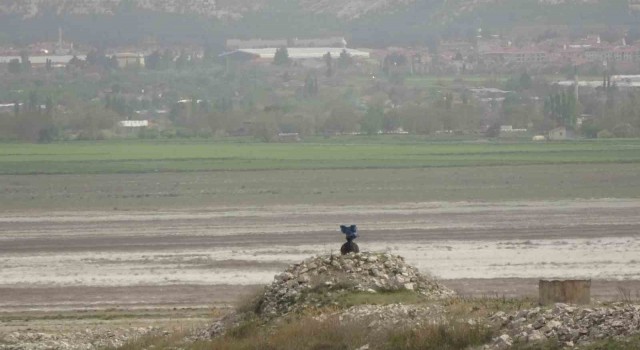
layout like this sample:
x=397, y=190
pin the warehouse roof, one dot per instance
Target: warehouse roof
x=298, y=52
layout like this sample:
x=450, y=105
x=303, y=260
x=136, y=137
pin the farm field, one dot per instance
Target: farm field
x=188, y=225
x=167, y=156
x=161, y=174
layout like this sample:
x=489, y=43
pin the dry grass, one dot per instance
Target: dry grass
x=305, y=333
x=250, y=303
x=156, y=341
x=308, y=332
x=629, y=343
x=464, y=307
x=457, y=335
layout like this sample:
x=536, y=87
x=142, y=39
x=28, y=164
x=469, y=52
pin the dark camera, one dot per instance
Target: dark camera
x=348, y=230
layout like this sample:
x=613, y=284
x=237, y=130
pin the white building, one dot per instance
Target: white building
x=295, y=53
x=133, y=123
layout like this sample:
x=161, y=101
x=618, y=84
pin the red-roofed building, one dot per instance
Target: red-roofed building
x=515, y=56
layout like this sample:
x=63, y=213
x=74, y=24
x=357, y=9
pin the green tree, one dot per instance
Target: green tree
x=342, y=119
x=419, y=119
x=311, y=85
x=562, y=108
x=281, y=57
x=493, y=130
x=265, y=128
x=373, y=120
x=25, y=62
x=328, y=61
x=152, y=61
x=14, y=66
x=345, y=60
x=519, y=82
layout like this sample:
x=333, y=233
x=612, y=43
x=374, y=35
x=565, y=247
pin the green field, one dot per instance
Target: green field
x=151, y=157
x=179, y=174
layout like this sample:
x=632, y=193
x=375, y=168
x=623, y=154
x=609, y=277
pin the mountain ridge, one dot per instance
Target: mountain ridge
x=235, y=9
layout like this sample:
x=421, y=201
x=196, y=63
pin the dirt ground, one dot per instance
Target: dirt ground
x=213, y=256
x=94, y=278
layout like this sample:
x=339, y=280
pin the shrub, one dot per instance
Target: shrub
x=605, y=134
x=625, y=130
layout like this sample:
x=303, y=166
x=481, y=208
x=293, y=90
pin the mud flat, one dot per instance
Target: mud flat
x=215, y=255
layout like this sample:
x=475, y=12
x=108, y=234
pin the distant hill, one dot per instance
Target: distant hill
x=346, y=9
x=363, y=22
x=213, y=8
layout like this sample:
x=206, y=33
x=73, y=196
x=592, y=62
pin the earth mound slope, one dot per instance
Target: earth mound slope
x=317, y=280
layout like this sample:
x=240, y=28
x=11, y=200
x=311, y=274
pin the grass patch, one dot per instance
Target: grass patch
x=134, y=175
x=188, y=156
x=629, y=343
x=441, y=337
x=305, y=333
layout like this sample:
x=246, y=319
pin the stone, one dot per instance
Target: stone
x=504, y=342
x=573, y=325
x=535, y=336
x=539, y=323
x=499, y=314
x=285, y=276
x=553, y=324
x=304, y=279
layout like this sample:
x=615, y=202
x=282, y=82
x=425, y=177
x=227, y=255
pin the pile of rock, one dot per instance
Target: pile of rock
x=88, y=339
x=318, y=281
x=334, y=274
x=568, y=325
x=380, y=317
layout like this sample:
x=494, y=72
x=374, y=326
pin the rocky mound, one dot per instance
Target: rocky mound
x=309, y=283
x=100, y=337
x=568, y=325
x=381, y=317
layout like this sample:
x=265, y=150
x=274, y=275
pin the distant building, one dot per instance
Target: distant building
x=539, y=138
x=235, y=44
x=618, y=54
x=127, y=59
x=561, y=133
x=463, y=47
x=515, y=56
x=510, y=128
x=504, y=128
x=289, y=137
x=295, y=53
x=133, y=123
x=8, y=107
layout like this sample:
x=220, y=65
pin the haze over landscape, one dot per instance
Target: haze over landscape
x=174, y=174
